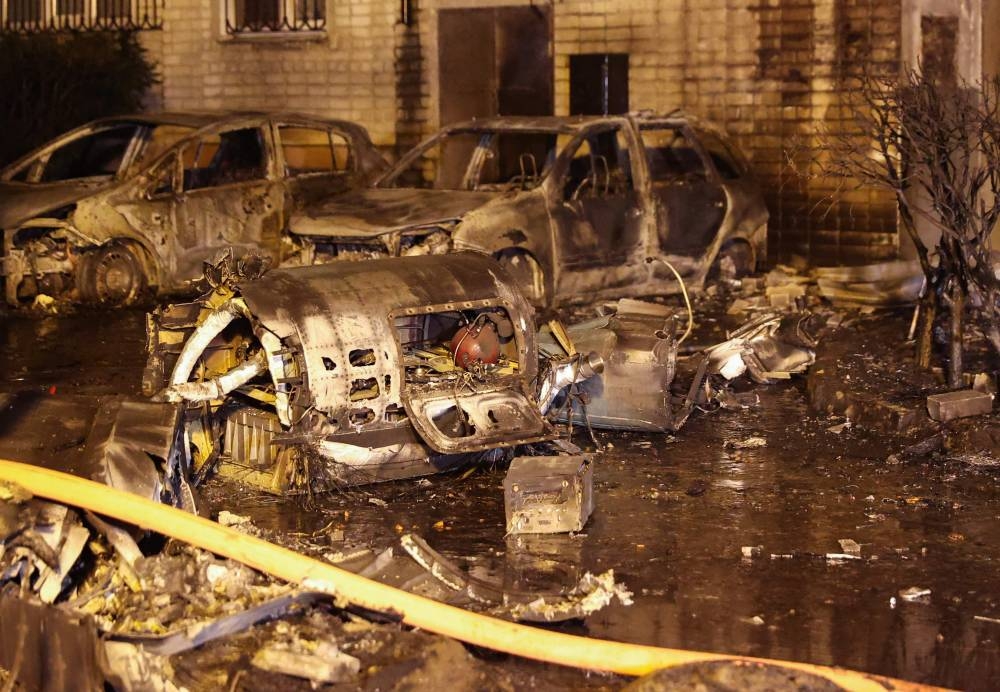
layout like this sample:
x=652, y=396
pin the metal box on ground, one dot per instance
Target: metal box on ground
x=548, y=494
x=960, y=404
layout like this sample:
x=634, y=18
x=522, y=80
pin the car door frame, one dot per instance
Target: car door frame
x=712, y=177
x=188, y=260
x=36, y=160
x=294, y=196
x=595, y=276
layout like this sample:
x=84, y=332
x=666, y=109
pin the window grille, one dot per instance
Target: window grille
x=32, y=16
x=262, y=16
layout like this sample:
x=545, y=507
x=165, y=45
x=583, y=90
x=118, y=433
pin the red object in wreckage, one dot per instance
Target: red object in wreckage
x=476, y=342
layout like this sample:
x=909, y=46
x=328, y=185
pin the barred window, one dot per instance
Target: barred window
x=28, y=16
x=261, y=16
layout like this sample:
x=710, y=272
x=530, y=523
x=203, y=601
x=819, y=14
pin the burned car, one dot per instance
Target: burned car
x=129, y=204
x=571, y=206
x=352, y=372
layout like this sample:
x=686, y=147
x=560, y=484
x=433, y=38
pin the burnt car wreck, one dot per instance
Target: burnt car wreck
x=129, y=205
x=571, y=206
x=352, y=372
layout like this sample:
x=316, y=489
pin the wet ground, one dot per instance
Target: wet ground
x=672, y=517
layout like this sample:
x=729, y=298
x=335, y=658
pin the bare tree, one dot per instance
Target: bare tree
x=935, y=148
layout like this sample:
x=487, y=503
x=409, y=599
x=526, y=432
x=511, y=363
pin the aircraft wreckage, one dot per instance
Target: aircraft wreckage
x=309, y=378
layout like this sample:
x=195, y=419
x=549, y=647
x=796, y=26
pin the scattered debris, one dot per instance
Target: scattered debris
x=850, y=546
x=573, y=600
x=979, y=459
x=45, y=303
x=321, y=662
x=697, y=487
x=915, y=594
x=841, y=557
x=840, y=427
x=985, y=382
x=960, y=404
x=751, y=551
x=768, y=348
x=882, y=284
x=636, y=344
x=593, y=593
x=240, y=522
x=787, y=296
x=552, y=494
x=748, y=443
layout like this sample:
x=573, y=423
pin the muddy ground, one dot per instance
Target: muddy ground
x=673, y=516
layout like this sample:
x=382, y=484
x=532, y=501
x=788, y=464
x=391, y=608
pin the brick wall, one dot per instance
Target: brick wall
x=774, y=73
x=769, y=71
x=346, y=72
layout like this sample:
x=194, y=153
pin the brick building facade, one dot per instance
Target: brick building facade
x=769, y=71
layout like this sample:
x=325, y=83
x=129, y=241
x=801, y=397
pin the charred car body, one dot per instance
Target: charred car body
x=572, y=206
x=127, y=204
x=352, y=372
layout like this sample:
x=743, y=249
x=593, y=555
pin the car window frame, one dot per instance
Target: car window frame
x=281, y=165
x=386, y=179
x=137, y=166
x=741, y=166
x=556, y=177
x=36, y=161
x=146, y=176
x=691, y=133
x=218, y=129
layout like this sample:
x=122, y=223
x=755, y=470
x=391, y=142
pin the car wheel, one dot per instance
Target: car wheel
x=526, y=273
x=111, y=275
x=735, y=260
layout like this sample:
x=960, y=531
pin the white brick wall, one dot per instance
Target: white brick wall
x=345, y=72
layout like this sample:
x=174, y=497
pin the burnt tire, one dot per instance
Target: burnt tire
x=526, y=274
x=735, y=260
x=111, y=275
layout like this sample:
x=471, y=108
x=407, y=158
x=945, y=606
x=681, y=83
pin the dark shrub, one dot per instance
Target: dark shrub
x=52, y=82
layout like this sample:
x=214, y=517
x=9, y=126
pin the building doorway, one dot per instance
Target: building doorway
x=494, y=61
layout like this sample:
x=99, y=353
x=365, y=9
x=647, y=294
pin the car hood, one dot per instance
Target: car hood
x=22, y=201
x=374, y=211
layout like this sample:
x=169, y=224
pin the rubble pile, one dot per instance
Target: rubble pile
x=286, y=382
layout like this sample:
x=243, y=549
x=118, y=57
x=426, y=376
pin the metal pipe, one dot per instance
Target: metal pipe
x=218, y=387
x=563, y=373
x=210, y=328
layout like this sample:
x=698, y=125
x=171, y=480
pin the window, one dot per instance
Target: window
x=671, y=155
x=262, y=16
x=162, y=178
x=98, y=154
x=309, y=150
x=478, y=160
x=221, y=159
x=27, y=16
x=159, y=139
x=725, y=159
x=599, y=168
